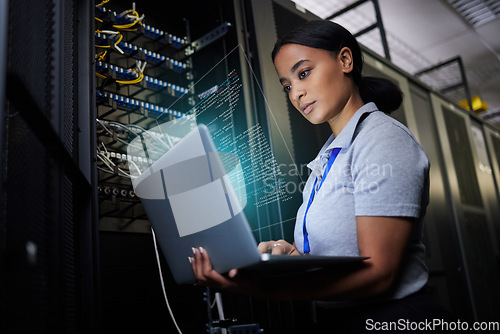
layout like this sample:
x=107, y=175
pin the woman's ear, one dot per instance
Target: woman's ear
x=346, y=59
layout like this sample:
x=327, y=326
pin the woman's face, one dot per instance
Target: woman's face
x=315, y=80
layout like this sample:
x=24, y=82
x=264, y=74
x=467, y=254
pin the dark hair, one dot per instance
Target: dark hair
x=332, y=37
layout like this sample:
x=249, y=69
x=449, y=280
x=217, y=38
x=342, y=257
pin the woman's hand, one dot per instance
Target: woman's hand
x=207, y=276
x=280, y=247
x=235, y=281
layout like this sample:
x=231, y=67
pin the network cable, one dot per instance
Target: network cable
x=163, y=283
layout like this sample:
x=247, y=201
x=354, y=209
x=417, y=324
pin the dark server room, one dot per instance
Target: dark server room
x=97, y=95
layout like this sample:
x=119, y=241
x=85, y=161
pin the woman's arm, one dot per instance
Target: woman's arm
x=383, y=239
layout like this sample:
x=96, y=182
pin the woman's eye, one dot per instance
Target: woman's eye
x=287, y=88
x=304, y=74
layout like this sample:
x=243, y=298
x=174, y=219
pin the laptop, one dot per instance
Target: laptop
x=190, y=201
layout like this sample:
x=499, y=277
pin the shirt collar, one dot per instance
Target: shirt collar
x=343, y=140
x=345, y=136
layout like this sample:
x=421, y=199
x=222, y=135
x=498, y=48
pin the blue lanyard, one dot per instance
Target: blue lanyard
x=332, y=158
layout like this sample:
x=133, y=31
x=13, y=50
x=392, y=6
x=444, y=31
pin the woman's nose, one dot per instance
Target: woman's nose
x=297, y=93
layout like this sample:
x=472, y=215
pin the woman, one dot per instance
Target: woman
x=366, y=195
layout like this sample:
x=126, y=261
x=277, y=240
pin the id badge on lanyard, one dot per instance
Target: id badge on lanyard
x=331, y=160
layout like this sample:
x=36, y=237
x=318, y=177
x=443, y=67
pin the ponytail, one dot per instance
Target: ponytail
x=383, y=92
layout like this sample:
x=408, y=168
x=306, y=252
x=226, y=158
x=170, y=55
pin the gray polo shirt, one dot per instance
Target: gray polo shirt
x=381, y=170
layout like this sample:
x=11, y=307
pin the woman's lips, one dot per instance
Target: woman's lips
x=307, y=108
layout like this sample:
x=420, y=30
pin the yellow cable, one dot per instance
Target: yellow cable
x=98, y=19
x=129, y=82
x=119, y=39
x=139, y=79
x=102, y=55
x=125, y=26
x=108, y=46
x=133, y=12
x=102, y=3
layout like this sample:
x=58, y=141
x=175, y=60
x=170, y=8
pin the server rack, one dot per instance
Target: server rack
x=136, y=75
x=474, y=222
x=3, y=70
x=493, y=143
x=176, y=47
x=443, y=258
x=48, y=253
